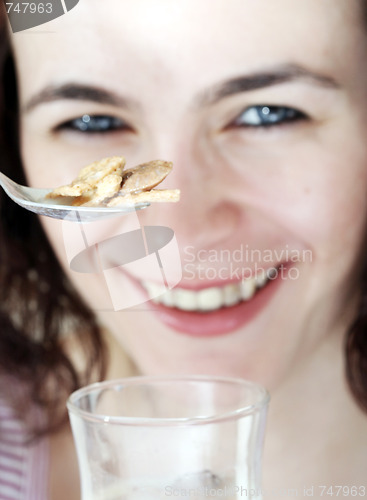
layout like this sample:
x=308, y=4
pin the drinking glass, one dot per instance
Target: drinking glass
x=155, y=438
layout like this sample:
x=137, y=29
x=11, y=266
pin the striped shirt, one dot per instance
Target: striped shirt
x=23, y=467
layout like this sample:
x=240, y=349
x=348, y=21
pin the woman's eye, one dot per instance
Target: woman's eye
x=94, y=124
x=268, y=116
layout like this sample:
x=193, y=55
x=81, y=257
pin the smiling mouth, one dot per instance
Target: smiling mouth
x=210, y=298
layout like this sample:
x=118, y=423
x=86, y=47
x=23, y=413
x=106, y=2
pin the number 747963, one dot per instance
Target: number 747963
x=28, y=7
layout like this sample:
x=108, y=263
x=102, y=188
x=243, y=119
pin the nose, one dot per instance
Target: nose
x=207, y=214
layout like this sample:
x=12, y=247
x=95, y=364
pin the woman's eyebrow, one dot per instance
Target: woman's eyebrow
x=75, y=91
x=265, y=78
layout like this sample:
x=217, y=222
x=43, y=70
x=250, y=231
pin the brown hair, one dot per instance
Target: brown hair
x=356, y=348
x=35, y=296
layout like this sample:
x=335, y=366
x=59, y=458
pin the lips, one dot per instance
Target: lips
x=214, y=310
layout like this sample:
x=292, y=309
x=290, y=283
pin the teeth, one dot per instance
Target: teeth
x=153, y=289
x=248, y=288
x=261, y=279
x=208, y=299
x=231, y=296
x=184, y=299
x=167, y=299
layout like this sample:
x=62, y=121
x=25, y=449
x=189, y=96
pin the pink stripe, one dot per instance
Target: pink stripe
x=16, y=442
x=7, y=468
x=30, y=482
x=10, y=485
x=39, y=471
x=12, y=456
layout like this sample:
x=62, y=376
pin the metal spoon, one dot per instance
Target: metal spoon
x=35, y=200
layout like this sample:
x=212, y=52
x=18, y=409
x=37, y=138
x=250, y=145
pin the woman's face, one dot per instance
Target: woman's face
x=262, y=108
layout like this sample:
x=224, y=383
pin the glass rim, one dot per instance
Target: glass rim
x=166, y=421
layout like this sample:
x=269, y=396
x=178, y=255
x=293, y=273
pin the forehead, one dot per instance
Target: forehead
x=191, y=37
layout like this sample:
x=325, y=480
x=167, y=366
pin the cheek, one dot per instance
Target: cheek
x=45, y=165
x=62, y=238
x=316, y=190
x=95, y=268
x=315, y=193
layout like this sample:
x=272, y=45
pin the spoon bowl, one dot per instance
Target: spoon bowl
x=35, y=200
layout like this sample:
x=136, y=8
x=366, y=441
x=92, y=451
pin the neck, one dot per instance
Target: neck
x=315, y=433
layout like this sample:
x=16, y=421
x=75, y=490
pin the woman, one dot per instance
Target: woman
x=265, y=122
